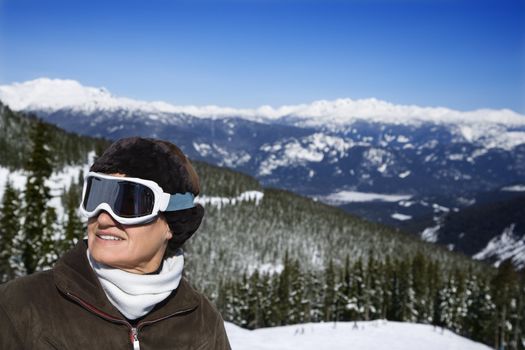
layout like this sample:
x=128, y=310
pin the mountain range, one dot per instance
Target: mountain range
x=415, y=168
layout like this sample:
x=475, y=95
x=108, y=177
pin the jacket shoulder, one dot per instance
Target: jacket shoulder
x=215, y=331
x=27, y=288
x=21, y=303
x=204, y=305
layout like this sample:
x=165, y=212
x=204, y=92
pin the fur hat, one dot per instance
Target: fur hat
x=164, y=163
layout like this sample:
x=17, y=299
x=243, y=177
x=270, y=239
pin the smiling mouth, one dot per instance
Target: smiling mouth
x=109, y=237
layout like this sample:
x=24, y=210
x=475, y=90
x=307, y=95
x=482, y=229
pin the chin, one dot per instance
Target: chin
x=105, y=256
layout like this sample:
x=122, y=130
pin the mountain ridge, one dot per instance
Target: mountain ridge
x=57, y=94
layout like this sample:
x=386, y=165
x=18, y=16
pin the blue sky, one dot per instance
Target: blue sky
x=462, y=54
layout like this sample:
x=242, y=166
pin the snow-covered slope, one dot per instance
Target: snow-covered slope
x=372, y=335
x=508, y=245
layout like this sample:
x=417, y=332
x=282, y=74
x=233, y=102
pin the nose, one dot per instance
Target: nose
x=105, y=219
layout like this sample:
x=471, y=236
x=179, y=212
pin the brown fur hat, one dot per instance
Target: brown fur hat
x=164, y=163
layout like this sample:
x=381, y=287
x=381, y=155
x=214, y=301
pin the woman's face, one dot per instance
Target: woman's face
x=132, y=248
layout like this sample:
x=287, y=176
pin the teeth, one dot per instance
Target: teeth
x=111, y=238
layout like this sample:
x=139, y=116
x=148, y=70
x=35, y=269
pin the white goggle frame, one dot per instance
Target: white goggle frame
x=162, y=201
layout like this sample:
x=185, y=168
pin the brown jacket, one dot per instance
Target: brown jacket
x=66, y=308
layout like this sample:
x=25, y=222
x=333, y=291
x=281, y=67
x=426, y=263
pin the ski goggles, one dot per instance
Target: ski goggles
x=129, y=200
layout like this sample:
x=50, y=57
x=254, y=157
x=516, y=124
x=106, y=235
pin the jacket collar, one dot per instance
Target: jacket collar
x=74, y=276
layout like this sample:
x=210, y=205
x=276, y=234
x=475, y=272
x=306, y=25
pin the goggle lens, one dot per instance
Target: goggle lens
x=126, y=199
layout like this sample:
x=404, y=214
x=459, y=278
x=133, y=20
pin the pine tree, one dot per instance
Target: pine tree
x=433, y=281
x=520, y=334
x=242, y=307
x=405, y=292
x=387, y=285
x=9, y=228
x=50, y=248
x=298, y=303
x=420, y=287
x=346, y=288
x=36, y=196
x=502, y=289
x=282, y=309
x=448, y=303
x=375, y=287
x=357, y=294
x=459, y=302
x=315, y=295
x=478, y=320
x=266, y=293
x=73, y=228
x=329, y=307
x=229, y=301
x=254, y=313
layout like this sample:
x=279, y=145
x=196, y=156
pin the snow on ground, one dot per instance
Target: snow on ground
x=343, y=197
x=430, y=234
x=16, y=178
x=370, y=335
x=401, y=217
x=248, y=196
x=516, y=188
x=57, y=183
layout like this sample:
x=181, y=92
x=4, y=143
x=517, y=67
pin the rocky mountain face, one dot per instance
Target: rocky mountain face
x=405, y=166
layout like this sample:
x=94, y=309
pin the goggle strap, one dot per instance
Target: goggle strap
x=179, y=201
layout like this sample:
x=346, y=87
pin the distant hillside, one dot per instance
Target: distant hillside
x=492, y=228
x=493, y=231
x=67, y=148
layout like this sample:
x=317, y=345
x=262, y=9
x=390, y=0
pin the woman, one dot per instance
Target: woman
x=123, y=287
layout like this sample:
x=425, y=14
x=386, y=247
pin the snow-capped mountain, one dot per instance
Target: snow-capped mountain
x=389, y=163
x=55, y=94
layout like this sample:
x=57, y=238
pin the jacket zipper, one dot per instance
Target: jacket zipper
x=135, y=338
x=133, y=331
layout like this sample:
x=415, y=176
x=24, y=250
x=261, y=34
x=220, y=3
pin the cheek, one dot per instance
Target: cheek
x=149, y=239
x=91, y=228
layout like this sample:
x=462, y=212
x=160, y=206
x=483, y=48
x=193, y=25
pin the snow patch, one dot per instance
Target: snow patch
x=297, y=152
x=230, y=159
x=440, y=208
x=203, y=148
x=343, y=197
x=219, y=202
x=363, y=335
x=402, y=139
x=491, y=135
x=430, y=234
x=400, y=217
x=267, y=268
x=515, y=188
x=57, y=183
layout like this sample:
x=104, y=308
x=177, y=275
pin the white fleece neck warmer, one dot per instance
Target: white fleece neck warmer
x=135, y=295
